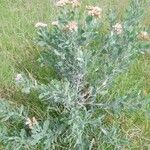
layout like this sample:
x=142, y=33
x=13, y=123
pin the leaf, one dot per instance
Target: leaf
x=89, y=19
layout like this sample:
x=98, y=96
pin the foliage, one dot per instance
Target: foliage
x=80, y=110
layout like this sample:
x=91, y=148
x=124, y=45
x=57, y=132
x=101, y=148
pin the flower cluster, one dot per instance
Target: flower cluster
x=40, y=24
x=94, y=11
x=62, y=3
x=144, y=35
x=72, y=26
x=75, y=3
x=31, y=122
x=55, y=23
x=117, y=28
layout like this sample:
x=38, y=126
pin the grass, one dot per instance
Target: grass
x=17, y=32
x=19, y=53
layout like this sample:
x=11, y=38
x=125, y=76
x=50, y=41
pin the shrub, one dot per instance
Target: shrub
x=81, y=112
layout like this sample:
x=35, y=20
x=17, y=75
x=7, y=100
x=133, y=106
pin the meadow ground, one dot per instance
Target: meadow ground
x=18, y=52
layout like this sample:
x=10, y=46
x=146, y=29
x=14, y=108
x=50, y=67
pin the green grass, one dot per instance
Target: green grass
x=19, y=53
x=17, y=33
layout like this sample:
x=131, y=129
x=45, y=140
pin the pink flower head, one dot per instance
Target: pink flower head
x=75, y=3
x=72, y=26
x=40, y=24
x=117, y=28
x=94, y=11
